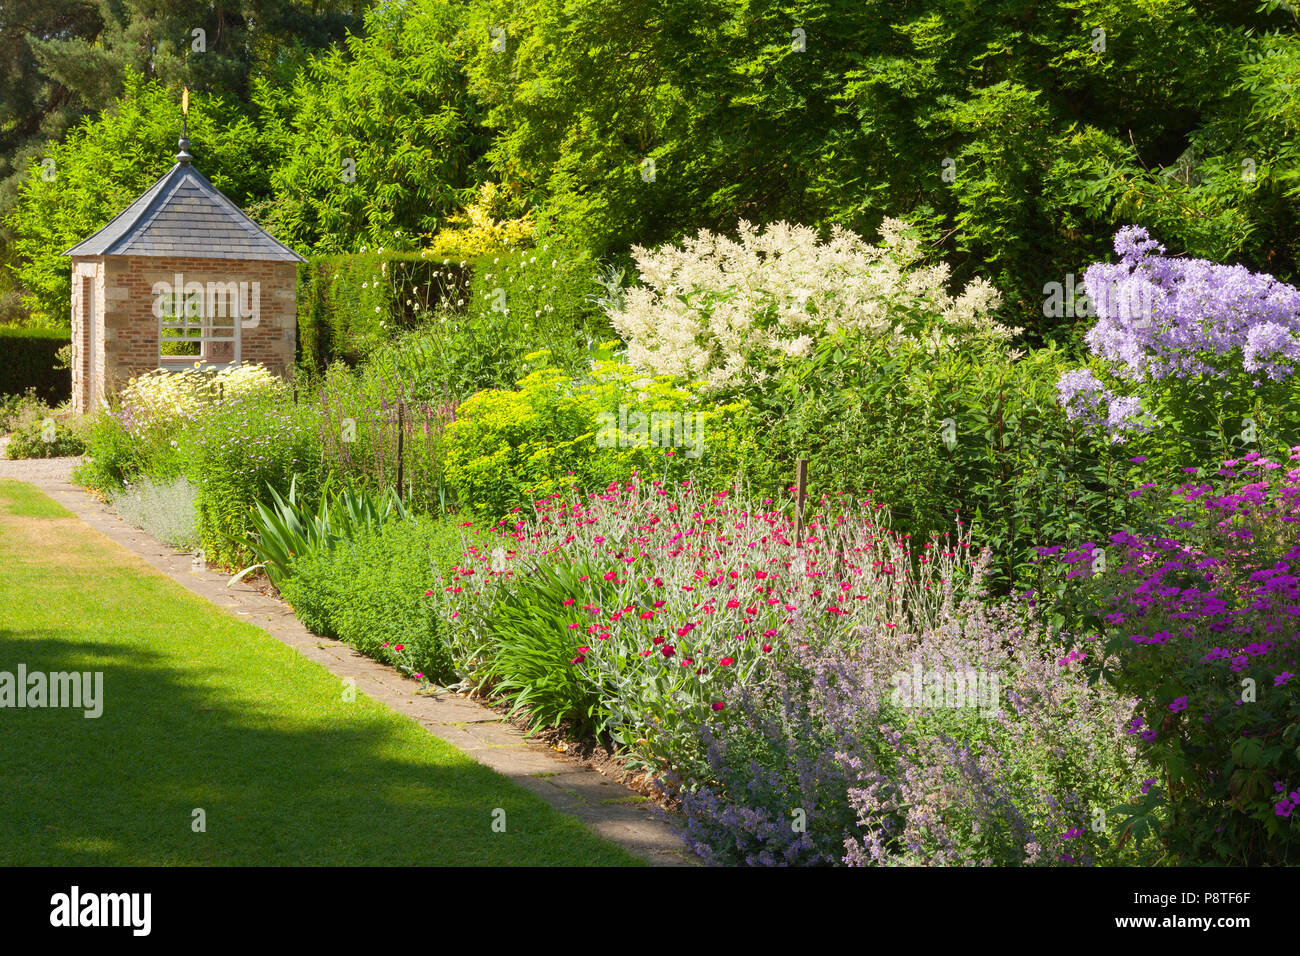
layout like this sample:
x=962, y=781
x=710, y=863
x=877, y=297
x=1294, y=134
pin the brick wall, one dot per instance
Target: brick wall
x=127, y=331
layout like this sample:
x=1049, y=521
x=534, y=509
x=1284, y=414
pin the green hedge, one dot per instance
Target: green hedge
x=350, y=304
x=27, y=359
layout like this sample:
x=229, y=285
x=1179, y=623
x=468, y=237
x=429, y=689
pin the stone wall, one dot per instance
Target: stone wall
x=126, y=330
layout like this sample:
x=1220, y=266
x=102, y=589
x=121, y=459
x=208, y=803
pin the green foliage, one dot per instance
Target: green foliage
x=873, y=420
x=507, y=448
x=1015, y=134
x=349, y=305
x=369, y=590
x=537, y=298
x=113, y=455
x=31, y=362
x=104, y=164
x=233, y=453
x=1204, y=419
x=531, y=649
x=288, y=529
x=381, y=136
x=34, y=441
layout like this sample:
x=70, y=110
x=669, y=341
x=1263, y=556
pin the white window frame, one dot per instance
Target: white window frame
x=204, y=332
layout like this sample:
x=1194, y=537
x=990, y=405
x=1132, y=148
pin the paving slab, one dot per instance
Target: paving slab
x=604, y=805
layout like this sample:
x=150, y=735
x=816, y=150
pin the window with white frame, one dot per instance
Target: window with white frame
x=198, y=324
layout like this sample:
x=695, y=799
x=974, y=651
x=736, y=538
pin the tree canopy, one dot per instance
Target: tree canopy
x=1016, y=134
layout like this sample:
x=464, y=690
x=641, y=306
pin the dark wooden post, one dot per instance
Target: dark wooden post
x=801, y=492
x=401, y=435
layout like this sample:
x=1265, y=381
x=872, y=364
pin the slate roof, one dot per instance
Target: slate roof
x=183, y=214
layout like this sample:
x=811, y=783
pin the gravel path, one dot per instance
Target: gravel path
x=36, y=469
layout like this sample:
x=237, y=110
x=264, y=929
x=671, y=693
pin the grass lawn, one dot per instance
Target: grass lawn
x=202, y=710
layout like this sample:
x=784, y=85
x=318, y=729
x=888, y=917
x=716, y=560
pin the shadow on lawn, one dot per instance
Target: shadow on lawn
x=294, y=777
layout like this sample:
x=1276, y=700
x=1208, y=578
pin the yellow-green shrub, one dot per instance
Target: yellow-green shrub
x=508, y=447
x=485, y=226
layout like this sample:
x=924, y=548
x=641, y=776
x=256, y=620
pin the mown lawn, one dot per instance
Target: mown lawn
x=203, y=711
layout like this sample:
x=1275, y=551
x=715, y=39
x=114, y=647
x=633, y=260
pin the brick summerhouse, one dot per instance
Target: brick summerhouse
x=180, y=276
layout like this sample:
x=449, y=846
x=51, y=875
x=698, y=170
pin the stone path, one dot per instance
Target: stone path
x=604, y=805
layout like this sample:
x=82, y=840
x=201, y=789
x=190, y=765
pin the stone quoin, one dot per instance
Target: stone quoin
x=180, y=276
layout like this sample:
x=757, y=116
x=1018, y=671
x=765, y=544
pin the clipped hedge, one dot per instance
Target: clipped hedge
x=27, y=360
x=350, y=304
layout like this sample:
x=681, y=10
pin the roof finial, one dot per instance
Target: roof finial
x=184, y=157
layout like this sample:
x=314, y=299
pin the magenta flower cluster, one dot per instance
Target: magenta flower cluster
x=1203, y=627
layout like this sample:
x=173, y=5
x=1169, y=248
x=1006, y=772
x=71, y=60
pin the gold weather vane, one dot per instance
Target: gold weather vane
x=184, y=143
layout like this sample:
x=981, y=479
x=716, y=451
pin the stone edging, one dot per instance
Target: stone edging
x=605, y=806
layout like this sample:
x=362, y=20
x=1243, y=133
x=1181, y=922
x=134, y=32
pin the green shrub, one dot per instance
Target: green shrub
x=115, y=456
x=44, y=438
x=508, y=447
x=369, y=591
x=516, y=303
x=31, y=361
x=233, y=453
x=540, y=297
x=975, y=434
x=112, y=455
x=38, y=431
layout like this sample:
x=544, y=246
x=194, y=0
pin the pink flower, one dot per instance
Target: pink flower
x=718, y=705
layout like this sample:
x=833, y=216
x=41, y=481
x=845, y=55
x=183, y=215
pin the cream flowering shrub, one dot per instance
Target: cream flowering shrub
x=164, y=399
x=729, y=311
